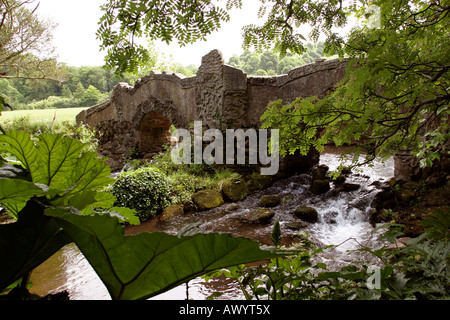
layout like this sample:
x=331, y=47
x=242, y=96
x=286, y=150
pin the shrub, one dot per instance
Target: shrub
x=146, y=190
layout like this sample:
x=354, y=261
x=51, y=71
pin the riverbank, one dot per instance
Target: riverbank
x=410, y=203
x=431, y=200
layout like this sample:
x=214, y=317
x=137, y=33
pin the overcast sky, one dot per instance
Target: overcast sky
x=76, y=43
x=77, y=20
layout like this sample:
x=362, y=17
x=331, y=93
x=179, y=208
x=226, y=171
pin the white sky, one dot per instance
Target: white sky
x=76, y=43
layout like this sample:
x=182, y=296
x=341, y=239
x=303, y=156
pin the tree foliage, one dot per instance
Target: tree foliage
x=284, y=19
x=25, y=43
x=395, y=92
x=188, y=21
x=268, y=63
x=124, y=21
x=72, y=92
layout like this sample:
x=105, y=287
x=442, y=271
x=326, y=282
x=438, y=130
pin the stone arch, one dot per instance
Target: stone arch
x=153, y=120
x=154, y=133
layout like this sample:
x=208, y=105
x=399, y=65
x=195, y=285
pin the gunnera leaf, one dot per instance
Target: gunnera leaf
x=144, y=265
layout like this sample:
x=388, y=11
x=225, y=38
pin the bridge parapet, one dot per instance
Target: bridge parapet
x=221, y=96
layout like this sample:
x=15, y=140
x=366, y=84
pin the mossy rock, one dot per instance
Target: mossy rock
x=234, y=189
x=207, y=199
x=307, y=214
x=172, y=211
x=340, y=180
x=259, y=216
x=260, y=182
x=320, y=172
x=269, y=201
x=296, y=225
x=320, y=186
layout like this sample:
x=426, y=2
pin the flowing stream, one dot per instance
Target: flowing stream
x=343, y=221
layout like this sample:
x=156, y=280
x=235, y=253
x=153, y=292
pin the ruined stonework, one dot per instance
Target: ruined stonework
x=139, y=118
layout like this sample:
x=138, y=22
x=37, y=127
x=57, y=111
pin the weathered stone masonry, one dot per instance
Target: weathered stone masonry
x=219, y=95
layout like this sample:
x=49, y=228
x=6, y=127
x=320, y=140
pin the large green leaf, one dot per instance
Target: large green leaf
x=58, y=162
x=15, y=193
x=91, y=202
x=57, y=159
x=89, y=173
x=144, y=265
x=28, y=242
x=19, y=144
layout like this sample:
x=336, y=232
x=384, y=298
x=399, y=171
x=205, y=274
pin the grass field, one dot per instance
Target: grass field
x=42, y=115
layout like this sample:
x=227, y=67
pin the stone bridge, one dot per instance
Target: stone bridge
x=221, y=96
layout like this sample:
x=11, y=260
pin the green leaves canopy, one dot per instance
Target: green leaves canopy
x=188, y=21
x=394, y=96
x=124, y=21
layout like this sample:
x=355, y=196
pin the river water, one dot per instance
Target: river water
x=343, y=221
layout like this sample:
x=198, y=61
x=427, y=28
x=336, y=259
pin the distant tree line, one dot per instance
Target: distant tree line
x=270, y=63
x=83, y=87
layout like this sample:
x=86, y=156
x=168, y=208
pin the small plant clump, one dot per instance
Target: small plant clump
x=145, y=190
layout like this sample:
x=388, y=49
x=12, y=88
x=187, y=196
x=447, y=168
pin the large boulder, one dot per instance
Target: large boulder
x=407, y=168
x=320, y=182
x=207, y=199
x=172, y=211
x=259, y=182
x=269, y=201
x=348, y=187
x=234, y=189
x=307, y=214
x=259, y=216
x=320, y=186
